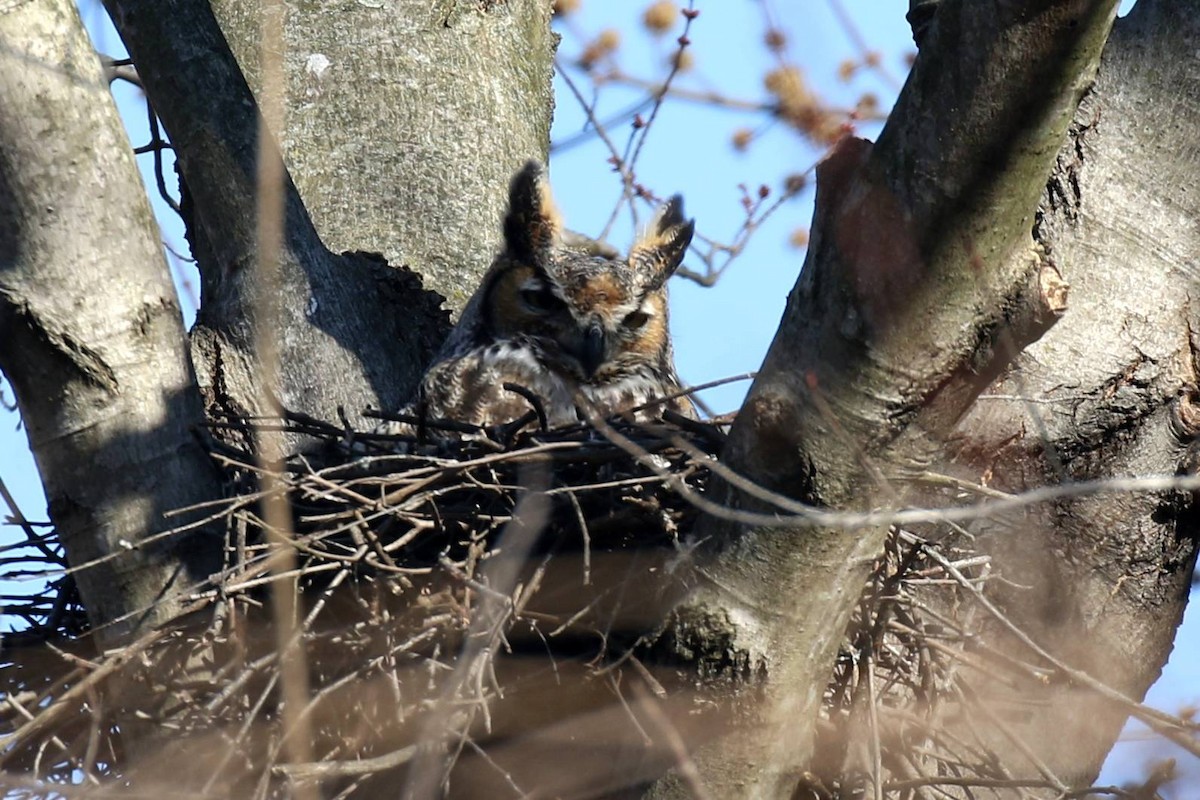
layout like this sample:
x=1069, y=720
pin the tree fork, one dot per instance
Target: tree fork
x=920, y=259
x=346, y=345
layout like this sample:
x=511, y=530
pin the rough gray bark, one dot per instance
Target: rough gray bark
x=406, y=119
x=336, y=311
x=460, y=99
x=1110, y=392
x=922, y=282
x=91, y=336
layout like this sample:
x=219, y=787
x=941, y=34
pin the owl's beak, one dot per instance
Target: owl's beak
x=591, y=355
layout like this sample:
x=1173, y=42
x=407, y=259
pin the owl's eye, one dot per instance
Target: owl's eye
x=636, y=320
x=542, y=301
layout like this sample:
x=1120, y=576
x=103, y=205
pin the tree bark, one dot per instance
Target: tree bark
x=91, y=335
x=1111, y=392
x=336, y=312
x=407, y=119
x=461, y=97
x=922, y=282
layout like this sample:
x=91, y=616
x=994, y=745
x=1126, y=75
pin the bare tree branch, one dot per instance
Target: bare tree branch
x=90, y=331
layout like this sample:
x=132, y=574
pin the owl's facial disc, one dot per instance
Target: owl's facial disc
x=594, y=319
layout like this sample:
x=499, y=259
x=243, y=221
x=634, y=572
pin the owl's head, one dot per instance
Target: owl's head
x=595, y=314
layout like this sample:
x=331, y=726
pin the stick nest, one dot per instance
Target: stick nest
x=453, y=615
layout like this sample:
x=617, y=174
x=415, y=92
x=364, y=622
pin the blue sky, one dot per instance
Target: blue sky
x=718, y=331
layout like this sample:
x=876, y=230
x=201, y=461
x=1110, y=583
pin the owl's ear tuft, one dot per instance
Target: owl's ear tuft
x=659, y=251
x=532, y=225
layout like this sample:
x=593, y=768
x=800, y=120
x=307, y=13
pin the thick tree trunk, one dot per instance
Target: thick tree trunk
x=91, y=336
x=1110, y=393
x=99, y=366
x=462, y=99
x=406, y=120
x=922, y=282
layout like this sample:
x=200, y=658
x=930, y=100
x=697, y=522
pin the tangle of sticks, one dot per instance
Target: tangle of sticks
x=469, y=605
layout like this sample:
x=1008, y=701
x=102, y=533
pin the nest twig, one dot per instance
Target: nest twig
x=434, y=582
x=393, y=554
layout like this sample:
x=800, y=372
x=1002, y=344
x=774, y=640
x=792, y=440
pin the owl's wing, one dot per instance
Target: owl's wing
x=470, y=388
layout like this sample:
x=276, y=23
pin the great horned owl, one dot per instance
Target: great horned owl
x=578, y=327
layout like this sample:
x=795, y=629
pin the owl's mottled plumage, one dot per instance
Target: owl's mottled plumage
x=564, y=318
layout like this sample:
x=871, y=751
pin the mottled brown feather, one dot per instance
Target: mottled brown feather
x=563, y=318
